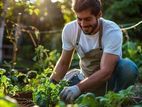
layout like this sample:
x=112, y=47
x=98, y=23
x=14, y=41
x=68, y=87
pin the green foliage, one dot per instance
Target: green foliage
x=15, y=76
x=137, y=91
x=75, y=61
x=37, y=78
x=61, y=104
x=121, y=99
x=32, y=74
x=44, y=59
x=112, y=99
x=66, y=9
x=7, y=83
x=22, y=7
x=133, y=50
x=2, y=71
x=12, y=81
x=41, y=58
x=117, y=10
x=1, y=6
x=8, y=102
x=87, y=100
x=32, y=9
x=47, y=93
x=53, y=58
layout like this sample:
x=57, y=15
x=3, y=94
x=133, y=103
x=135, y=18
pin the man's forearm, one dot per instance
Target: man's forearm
x=59, y=71
x=62, y=65
x=94, y=81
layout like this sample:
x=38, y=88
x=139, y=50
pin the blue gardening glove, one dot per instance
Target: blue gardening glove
x=68, y=94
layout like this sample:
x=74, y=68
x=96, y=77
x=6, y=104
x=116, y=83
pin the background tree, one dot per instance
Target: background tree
x=45, y=19
x=3, y=8
x=125, y=13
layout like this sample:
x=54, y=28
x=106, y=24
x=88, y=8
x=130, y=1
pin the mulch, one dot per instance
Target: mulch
x=24, y=99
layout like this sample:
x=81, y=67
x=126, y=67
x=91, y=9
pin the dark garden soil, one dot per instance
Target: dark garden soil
x=24, y=99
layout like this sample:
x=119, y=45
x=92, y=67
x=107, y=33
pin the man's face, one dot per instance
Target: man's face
x=87, y=21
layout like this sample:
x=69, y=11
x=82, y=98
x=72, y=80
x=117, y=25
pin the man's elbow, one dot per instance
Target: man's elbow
x=107, y=74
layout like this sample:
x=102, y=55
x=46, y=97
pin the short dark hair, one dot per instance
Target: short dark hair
x=93, y=5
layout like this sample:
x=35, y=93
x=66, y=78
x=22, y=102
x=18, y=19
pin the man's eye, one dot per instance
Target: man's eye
x=88, y=19
x=79, y=19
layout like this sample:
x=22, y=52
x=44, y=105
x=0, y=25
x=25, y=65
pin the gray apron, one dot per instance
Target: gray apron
x=90, y=61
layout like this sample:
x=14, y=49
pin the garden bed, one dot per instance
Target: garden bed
x=24, y=99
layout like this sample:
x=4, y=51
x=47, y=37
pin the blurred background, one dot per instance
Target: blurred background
x=26, y=24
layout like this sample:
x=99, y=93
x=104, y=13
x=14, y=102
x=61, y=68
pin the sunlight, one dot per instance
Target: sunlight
x=32, y=1
x=53, y=1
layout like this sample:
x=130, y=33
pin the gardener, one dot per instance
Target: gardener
x=98, y=43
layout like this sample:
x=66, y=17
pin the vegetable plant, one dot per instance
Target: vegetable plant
x=47, y=93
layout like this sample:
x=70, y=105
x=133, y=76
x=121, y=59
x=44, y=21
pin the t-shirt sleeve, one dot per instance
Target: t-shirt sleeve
x=67, y=38
x=113, y=42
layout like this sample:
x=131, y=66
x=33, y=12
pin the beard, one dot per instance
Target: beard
x=92, y=27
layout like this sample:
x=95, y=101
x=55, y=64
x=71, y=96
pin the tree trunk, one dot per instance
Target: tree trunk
x=2, y=25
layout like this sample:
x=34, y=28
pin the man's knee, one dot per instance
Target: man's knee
x=74, y=76
x=127, y=69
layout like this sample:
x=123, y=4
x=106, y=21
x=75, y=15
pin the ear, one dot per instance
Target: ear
x=99, y=15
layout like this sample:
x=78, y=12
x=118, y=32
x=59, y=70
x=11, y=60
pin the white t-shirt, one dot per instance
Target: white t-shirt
x=111, y=38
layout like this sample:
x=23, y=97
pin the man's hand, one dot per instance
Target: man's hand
x=53, y=81
x=69, y=94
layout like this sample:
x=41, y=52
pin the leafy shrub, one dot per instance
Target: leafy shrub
x=47, y=93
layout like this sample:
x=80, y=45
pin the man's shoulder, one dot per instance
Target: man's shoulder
x=110, y=24
x=71, y=24
x=111, y=30
x=71, y=27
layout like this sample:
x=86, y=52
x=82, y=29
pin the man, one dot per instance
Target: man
x=98, y=43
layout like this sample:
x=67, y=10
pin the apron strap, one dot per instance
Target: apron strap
x=79, y=49
x=100, y=45
x=100, y=34
x=78, y=36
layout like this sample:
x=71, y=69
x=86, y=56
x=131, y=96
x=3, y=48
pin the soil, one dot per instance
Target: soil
x=24, y=99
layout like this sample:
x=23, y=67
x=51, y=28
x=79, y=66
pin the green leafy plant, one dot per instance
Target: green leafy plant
x=12, y=81
x=6, y=84
x=8, y=102
x=44, y=59
x=47, y=93
x=41, y=58
x=120, y=99
x=87, y=100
